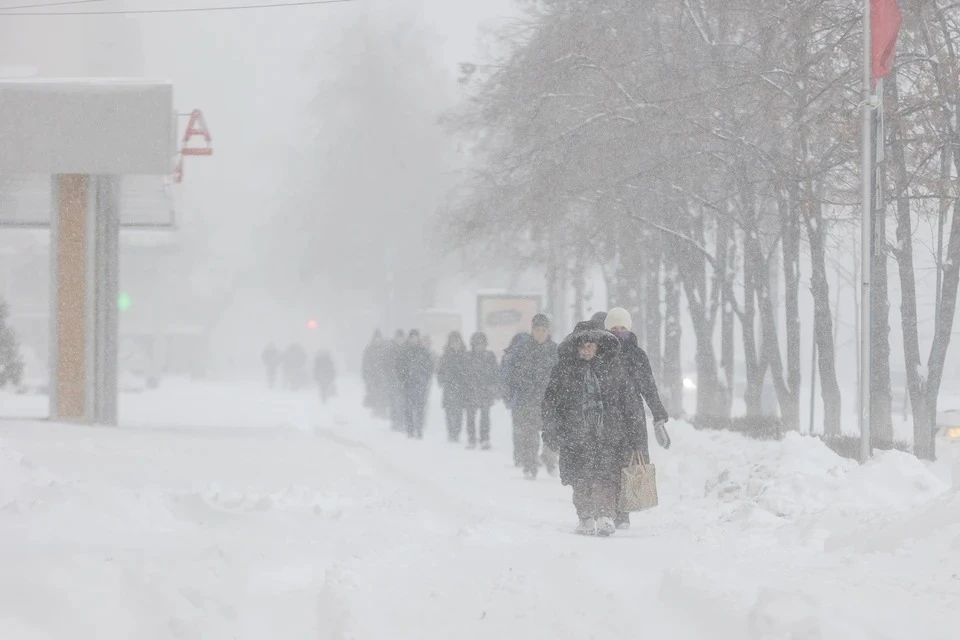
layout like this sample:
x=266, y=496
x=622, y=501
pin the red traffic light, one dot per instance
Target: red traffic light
x=312, y=324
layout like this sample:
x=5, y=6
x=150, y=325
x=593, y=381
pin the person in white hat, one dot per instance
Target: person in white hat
x=620, y=323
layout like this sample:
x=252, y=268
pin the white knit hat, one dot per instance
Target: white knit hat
x=618, y=317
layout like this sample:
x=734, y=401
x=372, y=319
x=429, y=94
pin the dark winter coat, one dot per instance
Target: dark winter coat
x=391, y=365
x=637, y=364
x=414, y=370
x=587, y=452
x=509, y=368
x=372, y=366
x=377, y=368
x=484, y=383
x=532, y=373
x=453, y=376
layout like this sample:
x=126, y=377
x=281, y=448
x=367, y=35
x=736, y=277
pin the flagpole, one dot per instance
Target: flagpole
x=866, y=240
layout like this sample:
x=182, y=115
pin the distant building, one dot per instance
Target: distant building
x=159, y=333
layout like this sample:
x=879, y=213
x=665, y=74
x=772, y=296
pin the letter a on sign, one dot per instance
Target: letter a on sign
x=197, y=127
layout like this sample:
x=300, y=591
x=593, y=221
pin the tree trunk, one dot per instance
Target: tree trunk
x=755, y=367
x=711, y=401
x=553, y=285
x=654, y=316
x=944, y=64
x=941, y=338
x=710, y=396
x=579, y=282
x=725, y=261
x=790, y=409
x=922, y=444
x=629, y=279
x=754, y=364
x=638, y=310
x=823, y=321
x=759, y=267
x=672, y=362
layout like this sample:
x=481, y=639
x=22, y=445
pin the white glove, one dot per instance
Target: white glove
x=660, y=431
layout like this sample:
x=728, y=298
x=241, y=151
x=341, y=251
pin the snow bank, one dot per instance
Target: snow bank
x=756, y=500
x=790, y=479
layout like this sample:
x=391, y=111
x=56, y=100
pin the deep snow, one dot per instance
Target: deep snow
x=234, y=512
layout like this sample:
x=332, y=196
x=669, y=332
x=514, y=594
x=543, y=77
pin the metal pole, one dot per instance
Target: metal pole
x=866, y=239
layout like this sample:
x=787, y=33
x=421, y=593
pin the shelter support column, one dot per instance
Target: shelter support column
x=85, y=255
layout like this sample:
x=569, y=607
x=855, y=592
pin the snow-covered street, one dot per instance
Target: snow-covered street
x=233, y=512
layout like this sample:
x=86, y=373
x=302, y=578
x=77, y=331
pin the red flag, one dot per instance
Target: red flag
x=885, y=21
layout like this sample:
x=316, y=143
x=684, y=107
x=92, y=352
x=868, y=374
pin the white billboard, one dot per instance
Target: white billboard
x=502, y=316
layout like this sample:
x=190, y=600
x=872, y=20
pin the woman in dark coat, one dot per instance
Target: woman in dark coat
x=484, y=390
x=454, y=380
x=637, y=364
x=592, y=416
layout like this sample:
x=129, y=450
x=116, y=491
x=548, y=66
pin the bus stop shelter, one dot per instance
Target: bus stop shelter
x=86, y=135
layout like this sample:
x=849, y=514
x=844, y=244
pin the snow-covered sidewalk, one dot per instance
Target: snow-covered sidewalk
x=233, y=512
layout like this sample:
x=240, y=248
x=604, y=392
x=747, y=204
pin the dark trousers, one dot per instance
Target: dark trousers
x=416, y=408
x=454, y=422
x=484, y=424
x=516, y=437
x=528, y=425
x=398, y=410
x=595, y=498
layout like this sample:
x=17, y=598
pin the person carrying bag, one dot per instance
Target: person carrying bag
x=638, y=485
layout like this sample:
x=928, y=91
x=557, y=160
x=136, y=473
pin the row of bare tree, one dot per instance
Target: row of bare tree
x=693, y=148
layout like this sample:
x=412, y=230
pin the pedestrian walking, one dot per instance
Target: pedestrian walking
x=592, y=416
x=454, y=380
x=484, y=390
x=619, y=322
x=533, y=367
x=509, y=382
x=376, y=376
x=392, y=361
x=415, y=369
x=271, y=362
x=324, y=375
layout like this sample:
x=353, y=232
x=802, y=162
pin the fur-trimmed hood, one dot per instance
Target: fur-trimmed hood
x=608, y=346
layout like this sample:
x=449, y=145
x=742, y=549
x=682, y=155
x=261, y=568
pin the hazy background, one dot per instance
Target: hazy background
x=329, y=163
x=329, y=166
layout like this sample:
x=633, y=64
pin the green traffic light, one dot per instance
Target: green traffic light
x=124, y=301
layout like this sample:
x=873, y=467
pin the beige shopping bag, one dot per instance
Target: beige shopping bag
x=638, y=485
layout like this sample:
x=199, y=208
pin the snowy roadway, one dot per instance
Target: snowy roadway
x=232, y=512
